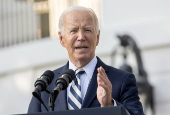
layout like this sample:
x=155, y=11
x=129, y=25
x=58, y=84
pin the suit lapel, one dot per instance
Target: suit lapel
x=61, y=102
x=91, y=91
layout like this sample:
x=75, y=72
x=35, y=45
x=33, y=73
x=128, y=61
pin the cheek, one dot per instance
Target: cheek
x=94, y=42
x=70, y=44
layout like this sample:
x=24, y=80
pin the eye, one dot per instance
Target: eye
x=73, y=31
x=88, y=30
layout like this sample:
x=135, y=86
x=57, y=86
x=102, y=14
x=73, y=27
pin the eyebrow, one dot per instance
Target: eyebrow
x=74, y=27
x=88, y=27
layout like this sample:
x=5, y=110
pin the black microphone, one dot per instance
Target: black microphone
x=61, y=84
x=42, y=82
x=63, y=81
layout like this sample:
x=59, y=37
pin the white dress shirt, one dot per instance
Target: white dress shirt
x=86, y=77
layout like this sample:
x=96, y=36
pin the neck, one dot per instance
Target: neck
x=80, y=63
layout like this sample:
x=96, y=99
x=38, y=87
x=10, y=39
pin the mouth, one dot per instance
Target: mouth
x=79, y=48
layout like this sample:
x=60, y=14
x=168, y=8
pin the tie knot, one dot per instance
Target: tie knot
x=79, y=71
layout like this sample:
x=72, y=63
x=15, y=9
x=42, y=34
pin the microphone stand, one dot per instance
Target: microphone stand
x=51, y=103
x=37, y=95
x=53, y=97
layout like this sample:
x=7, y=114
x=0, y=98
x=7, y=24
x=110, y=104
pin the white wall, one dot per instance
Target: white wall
x=148, y=21
x=20, y=66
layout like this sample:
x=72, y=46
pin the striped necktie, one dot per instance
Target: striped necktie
x=74, y=98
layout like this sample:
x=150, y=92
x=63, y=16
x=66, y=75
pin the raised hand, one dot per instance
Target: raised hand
x=104, y=89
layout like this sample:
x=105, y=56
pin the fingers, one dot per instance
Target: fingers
x=106, y=87
x=104, y=90
x=101, y=76
x=102, y=79
x=102, y=72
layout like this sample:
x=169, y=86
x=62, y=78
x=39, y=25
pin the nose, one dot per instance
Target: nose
x=81, y=36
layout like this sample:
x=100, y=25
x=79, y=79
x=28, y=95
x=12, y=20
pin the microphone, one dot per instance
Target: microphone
x=42, y=82
x=61, y=84
x=63, y=81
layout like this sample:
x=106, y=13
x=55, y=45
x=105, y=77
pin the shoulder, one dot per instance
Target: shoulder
x=118, y=71
x=58, y=70
x=121, y=76
x=111, y=69
x=61, y=69
x=57, y=73
x=114, y=73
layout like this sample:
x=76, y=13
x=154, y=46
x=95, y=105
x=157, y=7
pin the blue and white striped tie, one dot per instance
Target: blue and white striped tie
x=74, y=98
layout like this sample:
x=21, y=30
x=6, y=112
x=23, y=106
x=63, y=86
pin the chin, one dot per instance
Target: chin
x=84, y=58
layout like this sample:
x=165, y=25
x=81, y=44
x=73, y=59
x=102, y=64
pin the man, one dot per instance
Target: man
x=101, y=85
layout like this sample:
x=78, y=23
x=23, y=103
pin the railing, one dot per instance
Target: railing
x=19, y=22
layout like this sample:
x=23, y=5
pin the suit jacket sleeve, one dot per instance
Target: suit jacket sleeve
x=34, y=106
x=129, y=96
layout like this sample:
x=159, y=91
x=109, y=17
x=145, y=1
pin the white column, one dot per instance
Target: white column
x=56, y=7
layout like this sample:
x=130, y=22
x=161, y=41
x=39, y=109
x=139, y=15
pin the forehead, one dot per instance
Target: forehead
x=77, y=18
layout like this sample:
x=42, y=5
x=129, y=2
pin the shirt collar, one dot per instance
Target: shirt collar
x=89, y=68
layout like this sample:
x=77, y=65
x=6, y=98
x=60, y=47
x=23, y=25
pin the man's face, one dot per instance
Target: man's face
x=79, y=36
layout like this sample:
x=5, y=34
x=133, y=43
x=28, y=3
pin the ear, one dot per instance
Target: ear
x=61, y=39
x=98, y=37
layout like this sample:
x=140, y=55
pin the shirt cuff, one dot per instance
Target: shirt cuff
x=115, y=104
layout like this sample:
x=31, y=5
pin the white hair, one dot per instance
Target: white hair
x=77, y=8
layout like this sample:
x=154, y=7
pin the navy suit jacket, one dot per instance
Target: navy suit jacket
x=124, y=91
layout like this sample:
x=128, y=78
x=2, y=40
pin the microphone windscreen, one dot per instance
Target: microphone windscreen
x=49, y=74
x=71, y=73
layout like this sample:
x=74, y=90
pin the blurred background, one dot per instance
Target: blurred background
x=135, y=36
